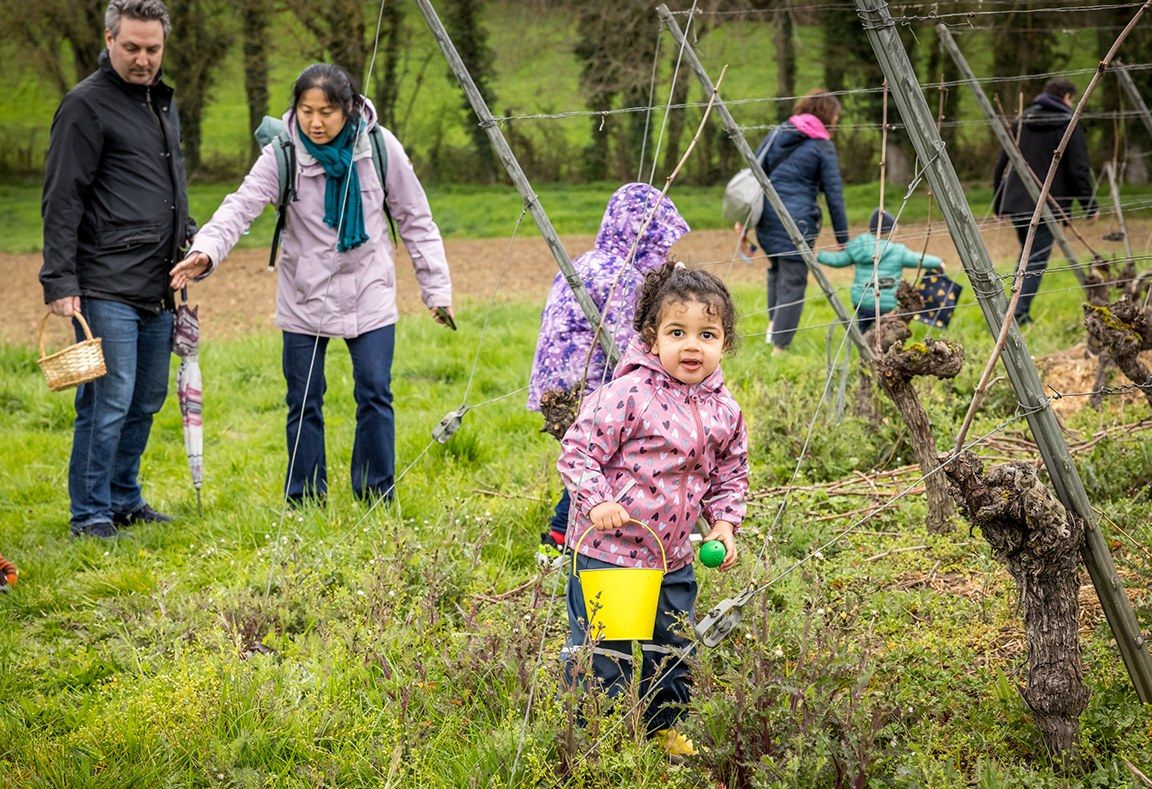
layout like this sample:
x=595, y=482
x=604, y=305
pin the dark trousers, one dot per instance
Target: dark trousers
x=787, y=281
x=665, y=681
x=1037, y=261
x=374, y=448
x=559, y=522
x=865, y=317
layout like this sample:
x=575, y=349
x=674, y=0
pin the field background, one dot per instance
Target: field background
x=250, y=647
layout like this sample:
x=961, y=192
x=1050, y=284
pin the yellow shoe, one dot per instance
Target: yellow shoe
x=675, y=744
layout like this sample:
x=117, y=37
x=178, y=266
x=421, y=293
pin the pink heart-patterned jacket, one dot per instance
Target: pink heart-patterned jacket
x=665, y=450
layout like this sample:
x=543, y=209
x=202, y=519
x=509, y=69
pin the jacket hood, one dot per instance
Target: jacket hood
x=627, y=210
x=810, y=126
x=363, y=145
x=783, y=140
x=638, y=356
x=1046, y=112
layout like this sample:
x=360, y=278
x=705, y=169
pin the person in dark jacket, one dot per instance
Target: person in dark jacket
x=801, y=161
x=1039, y=131
x=115, y=214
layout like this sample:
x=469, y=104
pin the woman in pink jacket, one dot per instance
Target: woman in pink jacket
x=661, y=443
x=337, y=275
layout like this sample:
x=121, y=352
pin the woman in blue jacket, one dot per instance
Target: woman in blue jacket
x=801, y=162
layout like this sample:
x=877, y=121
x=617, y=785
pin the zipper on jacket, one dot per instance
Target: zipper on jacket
x=692, y=403
x=169, y=147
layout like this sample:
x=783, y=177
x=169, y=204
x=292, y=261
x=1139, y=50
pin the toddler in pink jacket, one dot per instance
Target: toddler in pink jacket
x=662, y=443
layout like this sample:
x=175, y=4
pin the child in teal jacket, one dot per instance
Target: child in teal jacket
x=884, y=279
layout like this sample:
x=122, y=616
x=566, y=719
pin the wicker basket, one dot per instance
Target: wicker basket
x=76, y=364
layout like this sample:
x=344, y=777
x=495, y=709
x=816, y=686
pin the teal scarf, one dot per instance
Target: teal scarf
x=342, y=185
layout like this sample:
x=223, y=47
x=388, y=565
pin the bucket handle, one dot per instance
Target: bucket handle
x=576, y=547
x=44, y=325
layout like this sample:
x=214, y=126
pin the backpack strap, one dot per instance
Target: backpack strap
x=286, y=170
x=380, y=160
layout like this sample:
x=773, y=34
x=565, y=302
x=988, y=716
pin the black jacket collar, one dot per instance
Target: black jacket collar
x=159, y=89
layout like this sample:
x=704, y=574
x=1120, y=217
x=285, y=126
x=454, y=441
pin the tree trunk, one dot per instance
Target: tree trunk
x=898, y=164
x=674, y=130
x=1136, y=165
x=1125, y=330
x=596, y=154
x=43, y=28
x=895, y=366
x=393, y=49
x=254, y=24
x=197, y=46
x=1039, y=540
x=946, y=100
x=83, y=27
x=462, y=21
x=346, y=36
x=1022, y=43
x=836, y=58
x=784, y=42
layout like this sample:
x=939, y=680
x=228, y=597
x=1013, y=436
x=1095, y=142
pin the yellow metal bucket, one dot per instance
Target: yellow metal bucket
x=621, y=601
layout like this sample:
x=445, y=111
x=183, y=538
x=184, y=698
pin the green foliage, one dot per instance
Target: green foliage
x=537, y=68
x=417, y=644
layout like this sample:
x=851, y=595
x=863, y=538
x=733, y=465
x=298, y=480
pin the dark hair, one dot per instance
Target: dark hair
x=1059, y=88
x=674, y=282
x=142, y=10
x=817, y=102
x=338, y=86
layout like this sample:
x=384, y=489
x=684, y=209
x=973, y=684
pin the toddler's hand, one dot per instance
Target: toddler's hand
x=724, y=532
x=609, y=515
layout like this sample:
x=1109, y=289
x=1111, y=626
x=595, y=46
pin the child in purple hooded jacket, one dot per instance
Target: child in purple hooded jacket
x=661, y=444
x=637, y=216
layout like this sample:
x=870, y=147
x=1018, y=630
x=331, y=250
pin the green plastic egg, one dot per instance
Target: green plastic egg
x=712, y=553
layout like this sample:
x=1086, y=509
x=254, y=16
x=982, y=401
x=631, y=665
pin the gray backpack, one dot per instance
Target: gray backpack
x=271, y=130
x=743, y=197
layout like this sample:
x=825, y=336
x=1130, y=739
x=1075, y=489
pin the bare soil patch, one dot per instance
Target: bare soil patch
x=239, y=299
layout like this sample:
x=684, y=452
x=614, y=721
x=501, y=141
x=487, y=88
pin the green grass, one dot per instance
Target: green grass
x=468, y=211
x=358, y=647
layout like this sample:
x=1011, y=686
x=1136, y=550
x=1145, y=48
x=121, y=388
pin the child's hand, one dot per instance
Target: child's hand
x=609, y=515
x=723, y=531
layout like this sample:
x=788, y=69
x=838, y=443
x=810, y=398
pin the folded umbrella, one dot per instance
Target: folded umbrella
x=940, y=295
x=189, y=391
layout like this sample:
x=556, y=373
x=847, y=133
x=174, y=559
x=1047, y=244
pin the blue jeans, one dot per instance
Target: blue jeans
x=114, y=413
x=374, y=448
x=1037, y=261
x=665, y=679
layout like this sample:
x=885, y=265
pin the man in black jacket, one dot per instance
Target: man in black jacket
x=1039, y=131
x=115, y=214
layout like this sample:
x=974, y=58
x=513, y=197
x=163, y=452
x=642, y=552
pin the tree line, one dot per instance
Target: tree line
x=616, y=48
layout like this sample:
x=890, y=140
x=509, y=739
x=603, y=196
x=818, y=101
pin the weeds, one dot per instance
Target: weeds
x=419, y=644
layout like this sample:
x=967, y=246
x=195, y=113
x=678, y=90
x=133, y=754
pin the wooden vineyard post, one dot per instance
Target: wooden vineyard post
x=941, y=176
x=1009, y=146
x=774, y=200
x=519, y=179
x=1114, y=189
x=1133, y=95
x=939, y=504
